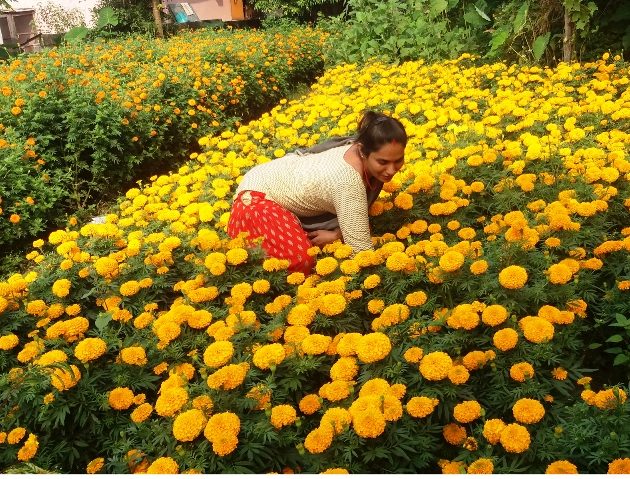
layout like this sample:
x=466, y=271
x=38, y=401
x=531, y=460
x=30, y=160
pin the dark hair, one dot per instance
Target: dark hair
x=377, y=129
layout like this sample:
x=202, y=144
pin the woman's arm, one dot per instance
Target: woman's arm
x=324, y=237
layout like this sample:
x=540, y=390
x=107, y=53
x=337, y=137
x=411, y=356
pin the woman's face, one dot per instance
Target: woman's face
x=384, y=163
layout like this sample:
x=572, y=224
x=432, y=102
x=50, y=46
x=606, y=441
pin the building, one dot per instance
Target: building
x=17, y=27
x=225, y=10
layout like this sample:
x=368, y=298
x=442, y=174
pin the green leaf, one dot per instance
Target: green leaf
x=437, y=6
x=617, y=338
x=102, y=321
x=76, y=34
x=521, y=17
x=540, y=45
x=107, y=17
x=471, y=16
x=594, y=345
x=482, y=14
x=499, y=38
x=620, y=359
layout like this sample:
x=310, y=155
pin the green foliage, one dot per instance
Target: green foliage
x=106, y=112
x=392, y=30
x=132, y=16
x=294, y=9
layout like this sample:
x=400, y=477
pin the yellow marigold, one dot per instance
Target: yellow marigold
x=129, y=288
x=375, y=306
x=171, y=401
x=134, y=355
x=336, y=417
x=413, y=355
x=228, y=377
x=559, y=373
x=310, y=404
x=537, y=330
x=559, y=274
x=513, y=277
x=521, y=372
x=106, y=267
x=619, y=466
x=326, y=266
x=492, y=429
x=95, y=465
x=295, y=334
x=224, y=444
x=332, y=304
x=481, y=466
x=610, y=398
x=421, y=406
x=301, y=315
x=373, y=347
x=479, y=267
x=335, y=390
x=435, y=366
x=141, y=413
x=90, y=349
x=225, y=423
x=283, y=415
x=494, y=315
x=163, y=465
x=515, y=438
x=451, y=261
x=28, y=449
x=16, y=435
x=451, y=467
x=528, y=411
x=62, y=379
x=398, y=261
x=505, y=339
x=61, y=288
x=374, y=386
x=269, y=355
x=319, y=439
x=188, y=425
x=120, y=398
x=8, y=341
x=218, y=354
x=372, y=281
x=261, y=286
x=335, y=470
x=404, y=201
x=467, y=411
x=561, y=467
x=347, y=345
x=454, y=433
x=36, y=308
x=236, y=256
x=368, y=423
x=344, y=369
x=458, y=375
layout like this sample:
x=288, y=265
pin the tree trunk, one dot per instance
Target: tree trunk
x=158, y=19
x=568, y=40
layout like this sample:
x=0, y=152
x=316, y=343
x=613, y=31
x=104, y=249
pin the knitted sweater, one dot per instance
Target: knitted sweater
x=314, y=184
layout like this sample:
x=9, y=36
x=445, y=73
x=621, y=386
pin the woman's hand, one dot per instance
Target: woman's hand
x=324, y=237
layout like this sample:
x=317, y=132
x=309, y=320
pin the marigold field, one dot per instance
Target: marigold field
x=154, y=343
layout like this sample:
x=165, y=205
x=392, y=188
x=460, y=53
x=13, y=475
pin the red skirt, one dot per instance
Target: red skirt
x=282, y=233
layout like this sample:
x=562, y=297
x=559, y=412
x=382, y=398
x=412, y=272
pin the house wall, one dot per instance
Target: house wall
x=211, y=9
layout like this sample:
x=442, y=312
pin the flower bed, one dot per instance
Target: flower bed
x=154, y=343
x=80, y=117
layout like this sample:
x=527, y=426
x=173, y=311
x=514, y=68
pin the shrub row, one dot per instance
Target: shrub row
x=79, y=122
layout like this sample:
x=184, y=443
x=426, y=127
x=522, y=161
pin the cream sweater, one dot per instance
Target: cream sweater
x=313, y=184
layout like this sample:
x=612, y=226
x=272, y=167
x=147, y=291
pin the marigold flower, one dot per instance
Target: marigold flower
x=454, y=433
x=120, y=398
x=16, y=435
x=134, y=355
x=335, y=390
x=435, y=366
x=528, y=411
x=332, y=304
x=310, y=404
x=521, y=372
x=415, y=299
x=559, y=374
x=481, y=466
x=479, y=267
x=421, y=406
x=141, y=413
x=451, y=261
x=335, y=470
x=515, y=438
x=537, y=330
x=413, y=355
x=505, y=339
x=171, y=401
x=559, y=274
x=269, y=355
x=218, y=354
x=619, y=466
x=458, y=375
x=283, y=415
x=467, y=411
x=236, y=256
x=369, y=423
x=319, y=439
x=513, y=277
x=561, y=467
x=336, y=417
x=301, y=315
x=373, y=347
x=163, y=465
x=344, y=369
x=28, y=449
x=188, y=425
x=95, y=465
x=325, y=266
x=492, y=429
x=8, y=341
x=261, y=286
x=494, y=315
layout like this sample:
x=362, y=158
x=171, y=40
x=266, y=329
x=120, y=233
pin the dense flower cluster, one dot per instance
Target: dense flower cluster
x=464, y=329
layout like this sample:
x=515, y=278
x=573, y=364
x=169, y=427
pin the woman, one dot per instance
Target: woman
x=296, y=202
